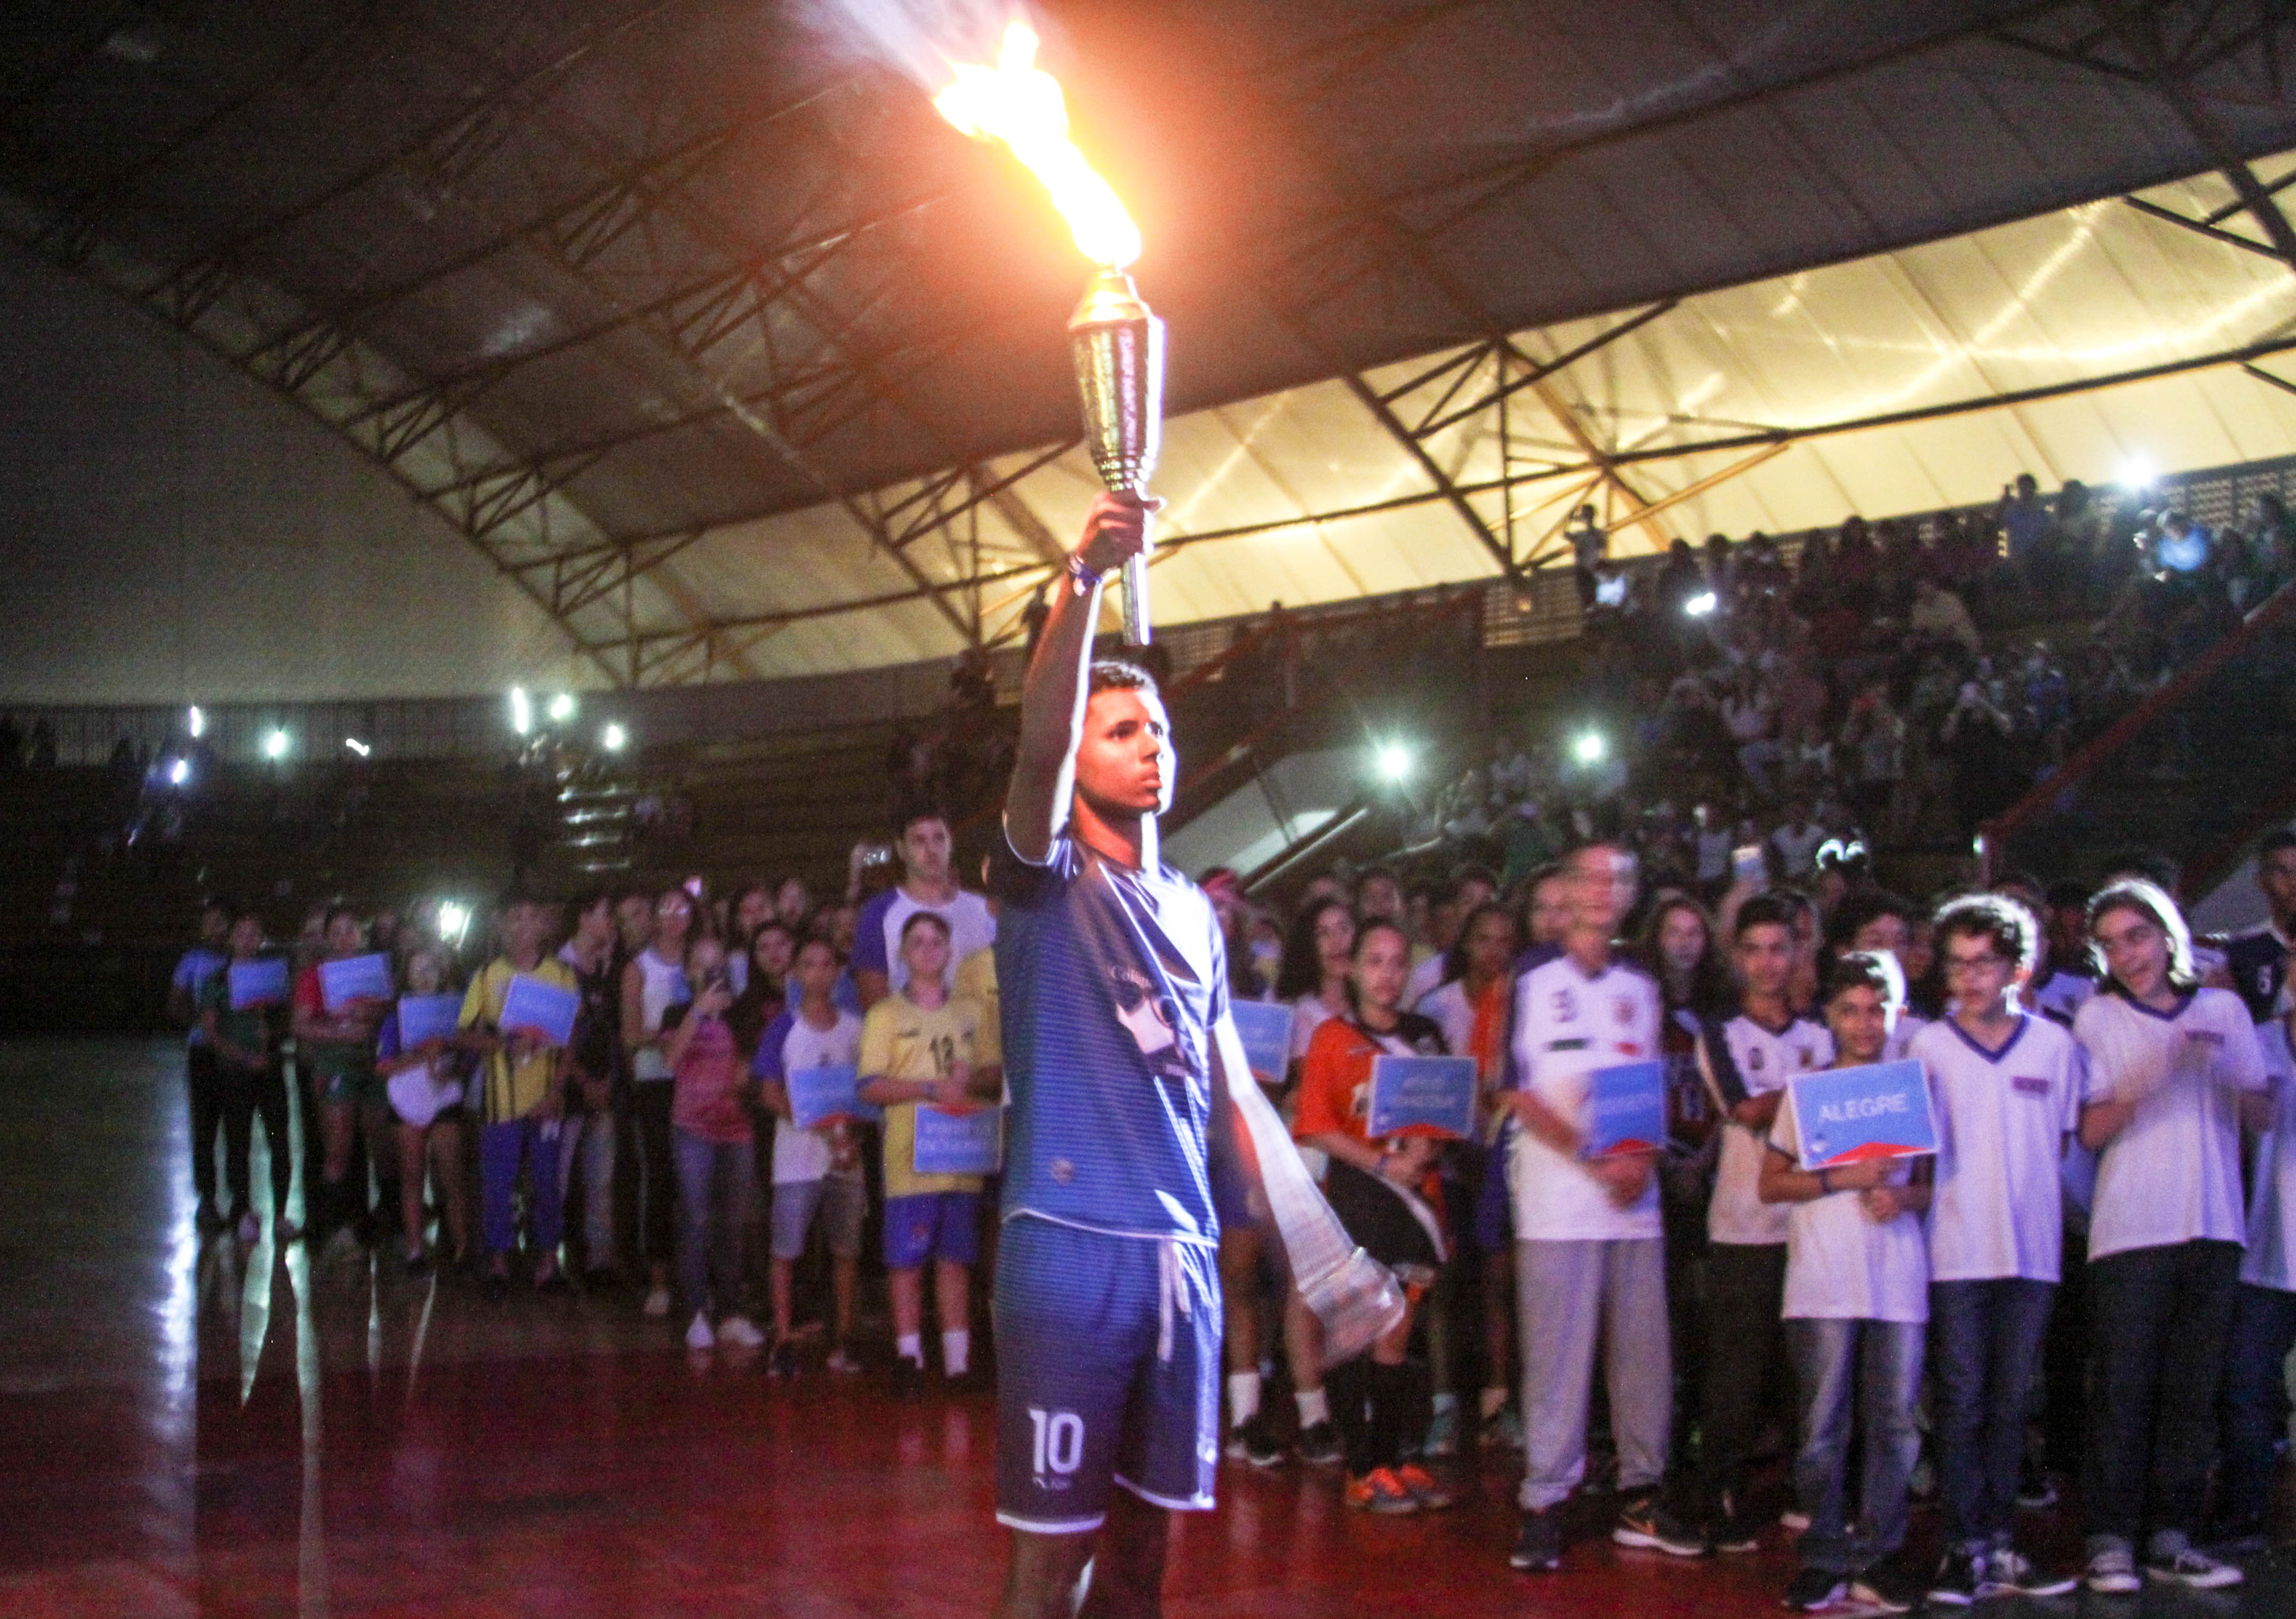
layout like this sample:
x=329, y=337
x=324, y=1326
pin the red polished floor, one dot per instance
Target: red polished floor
x=183, y=1432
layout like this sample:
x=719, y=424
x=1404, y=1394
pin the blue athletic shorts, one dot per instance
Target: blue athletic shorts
x=932, y=1225
x=1107, y=1370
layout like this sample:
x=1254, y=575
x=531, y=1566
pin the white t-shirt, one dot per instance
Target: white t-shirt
x=2061, y=999
x=877, y=931
x=1901, y=1040
x=1425, y=978
x=2271, y=1258
x=1840, y=1263
x=1798, y=851
x=2003, y=1117
x=2173, y=1172
x=800, y=1154
x=1748, y=1062
x=1308, y=1014
x=1565, y=1025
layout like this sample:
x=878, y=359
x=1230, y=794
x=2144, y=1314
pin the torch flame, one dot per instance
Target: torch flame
x=1020, y=103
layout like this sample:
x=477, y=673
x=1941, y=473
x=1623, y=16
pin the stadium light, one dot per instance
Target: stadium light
x=454, y=921
x=357, y=747
x=1394, y=761
x=196, y=722
x=562, y=707
x=521, y=711
x=613, y=739
x=179, y=770
x=1701, y=604
x=2137, y=471
x=275, y=743
x=1588, y=748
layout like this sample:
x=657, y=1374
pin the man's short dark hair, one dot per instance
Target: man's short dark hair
x=1764, y=911
x=1996, y=918
x=1871, y=970
x=1119, y=675
x=2273, y=842
x=911, y=816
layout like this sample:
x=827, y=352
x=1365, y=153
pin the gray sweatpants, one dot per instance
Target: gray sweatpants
x=1567, y=1293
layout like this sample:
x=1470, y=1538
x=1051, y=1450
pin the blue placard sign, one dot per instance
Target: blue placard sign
x=1625, y=1110
x=532, y=1007
x=967, y=1143
x=354, y=979
x=1846, y=1115
x=1265, y=1028
x=262, y=982
x=422, y=1018
x=1423, y=1096
x=823, y=1095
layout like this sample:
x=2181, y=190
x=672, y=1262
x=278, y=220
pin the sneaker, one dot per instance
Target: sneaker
x=1888, y=1587
x=1677, y=1535
x=1538, y=1546
x=2035, y=1490
x=1442, y=1434
x=699, y=1335
x=843, y=1360
x=1816, y=1588
x=1424, y=1489
x=783, y=1361
x=1793, y=1520
x=1737, y=1532
x=2194, y=1567
x=2113, y=1573
x=741, y=1332
x=1319, y=1445
x=1960, y=1572
x=250, y=1231
x=2010, y=1573
x=1638, y=1520
x=1254, y=1441
x=1502, y=1430
x=1382, y=1492
x=657, y=1303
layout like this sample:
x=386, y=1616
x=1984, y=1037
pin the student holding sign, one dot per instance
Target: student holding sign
x=2006, y=1090
x=918, y=1050
x=817, y=1169
x=1590, y=1258
x=2175, y=1071
x=245, y=1041
x=1856, y=1312
x=334, y=1048
x=522, y=1098
x=413, y=1053
x=1385, y=1193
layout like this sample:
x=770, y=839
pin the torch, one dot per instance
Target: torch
x=1118, y=345
x=1118, y=348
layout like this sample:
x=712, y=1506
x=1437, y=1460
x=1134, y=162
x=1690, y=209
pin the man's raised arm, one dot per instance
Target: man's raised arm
x=1053, y=692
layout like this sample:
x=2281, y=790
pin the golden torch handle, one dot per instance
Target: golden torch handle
x=1118, y=348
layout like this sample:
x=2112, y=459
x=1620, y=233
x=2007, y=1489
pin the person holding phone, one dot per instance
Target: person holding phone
x=714, y=1145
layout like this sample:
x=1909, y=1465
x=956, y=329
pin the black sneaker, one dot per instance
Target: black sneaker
x=2010, y=1573
x=1319, y=1444
x=1960, y=1573
x=1678, y=1536
x=1637, y=1525
x=1816, y=1588
x=1738, y=1531
x=1257, y=1443
x=1538, y=1548
x=2035, y=1490
x=1888, y=1587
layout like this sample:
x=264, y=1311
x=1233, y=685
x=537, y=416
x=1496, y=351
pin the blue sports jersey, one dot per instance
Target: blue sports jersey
x=1111, y=981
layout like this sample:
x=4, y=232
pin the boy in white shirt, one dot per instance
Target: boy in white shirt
x=1746, y=1062
x=2007, y=1088
x=1590, y=1257
x=1856, y=1312
x=2175, y=1072
x=816, y=1172
x=2264, y=1316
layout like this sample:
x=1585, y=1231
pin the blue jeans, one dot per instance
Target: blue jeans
x=2263, y=1332
x=1879, y=1364
x=588, y=1148
x=716, y=1183
x=502, y=1149
x=1986, y=1340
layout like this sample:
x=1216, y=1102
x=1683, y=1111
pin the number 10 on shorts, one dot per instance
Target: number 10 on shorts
x=1059, y=1441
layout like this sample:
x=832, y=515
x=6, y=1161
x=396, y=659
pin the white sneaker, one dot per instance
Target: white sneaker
x=2113, y=1573
x=738, y=1331
x=699, y=1335
x=657, y=1303
x=1794, y=1520
x=2194, y=1567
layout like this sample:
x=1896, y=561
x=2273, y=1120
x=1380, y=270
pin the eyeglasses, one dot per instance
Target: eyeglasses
x=1984, y=963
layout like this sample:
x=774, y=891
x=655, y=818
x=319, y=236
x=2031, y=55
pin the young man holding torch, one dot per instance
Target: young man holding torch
x=1114, y=986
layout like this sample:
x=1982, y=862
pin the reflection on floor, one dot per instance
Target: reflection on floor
x=185, y=1429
